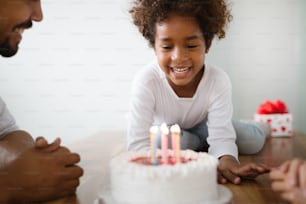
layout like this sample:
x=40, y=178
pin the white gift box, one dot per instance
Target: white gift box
x=281, y=124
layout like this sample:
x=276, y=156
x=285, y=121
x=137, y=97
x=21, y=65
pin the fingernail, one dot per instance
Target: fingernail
x=237, y=180
x=292, y=181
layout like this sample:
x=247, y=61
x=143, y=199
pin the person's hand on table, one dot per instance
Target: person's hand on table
x=43, y=172
x=42, y=144
x=290, y=180
x=229, y=170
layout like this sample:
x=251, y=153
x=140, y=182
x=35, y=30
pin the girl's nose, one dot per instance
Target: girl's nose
x=179, y=54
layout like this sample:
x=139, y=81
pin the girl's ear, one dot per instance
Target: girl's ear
x=154, y=49
x=208, y=44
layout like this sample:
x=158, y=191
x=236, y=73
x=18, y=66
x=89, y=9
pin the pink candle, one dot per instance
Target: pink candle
x=173, y=143
x=176, y=142
x=153, y=131
x=164, y=142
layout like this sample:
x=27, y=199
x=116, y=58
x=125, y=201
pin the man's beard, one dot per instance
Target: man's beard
x=6, y=50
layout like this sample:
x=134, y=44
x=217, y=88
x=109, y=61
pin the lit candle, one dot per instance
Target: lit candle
x=164, y=142
x=173, y=143
x=153, y=131
x=176, y=142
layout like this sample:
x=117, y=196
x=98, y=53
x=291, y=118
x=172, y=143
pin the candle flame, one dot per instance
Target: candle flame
x=153, y=129
x=164, y=129
x=175, y=128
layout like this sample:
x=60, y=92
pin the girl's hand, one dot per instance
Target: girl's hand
x=226, y=168
x=252, y=170
x=230, y=170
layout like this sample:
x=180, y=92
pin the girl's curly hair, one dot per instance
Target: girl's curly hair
x=212, y=16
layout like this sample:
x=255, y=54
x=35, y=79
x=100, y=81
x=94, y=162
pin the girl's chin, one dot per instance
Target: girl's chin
x=179, y=82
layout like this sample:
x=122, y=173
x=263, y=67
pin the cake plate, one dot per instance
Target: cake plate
x=225, y=197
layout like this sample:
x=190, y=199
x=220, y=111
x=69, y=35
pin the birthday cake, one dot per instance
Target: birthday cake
x=191, y=180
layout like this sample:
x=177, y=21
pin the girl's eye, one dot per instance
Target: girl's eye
x=191, y=46
x=166, y=47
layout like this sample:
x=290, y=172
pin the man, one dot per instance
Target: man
x=30, y=171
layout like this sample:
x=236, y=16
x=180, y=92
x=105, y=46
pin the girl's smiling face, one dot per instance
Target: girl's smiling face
x=180, y=50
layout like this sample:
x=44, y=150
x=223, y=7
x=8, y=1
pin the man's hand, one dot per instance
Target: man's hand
x=290, y=180
x=13, y=144
x=38, y=175
x=42, y=143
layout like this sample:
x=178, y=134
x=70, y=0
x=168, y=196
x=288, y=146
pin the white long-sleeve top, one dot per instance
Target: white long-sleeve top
x=154, y=102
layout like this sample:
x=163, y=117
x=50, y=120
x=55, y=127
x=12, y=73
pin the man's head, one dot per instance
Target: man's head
x=15, y=16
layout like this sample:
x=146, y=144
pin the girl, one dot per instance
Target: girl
x=181, y=88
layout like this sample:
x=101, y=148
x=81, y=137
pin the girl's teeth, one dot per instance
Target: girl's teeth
x=180, y=70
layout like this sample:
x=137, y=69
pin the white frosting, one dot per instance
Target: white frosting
x=185, y=183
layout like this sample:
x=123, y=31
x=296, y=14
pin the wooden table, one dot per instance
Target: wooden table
x=96, y=151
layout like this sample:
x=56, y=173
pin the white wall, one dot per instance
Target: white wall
x=264, y=54
x=301, y=116
x=72, y=75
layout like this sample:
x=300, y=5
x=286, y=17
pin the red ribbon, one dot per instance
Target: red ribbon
x=276, y=107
